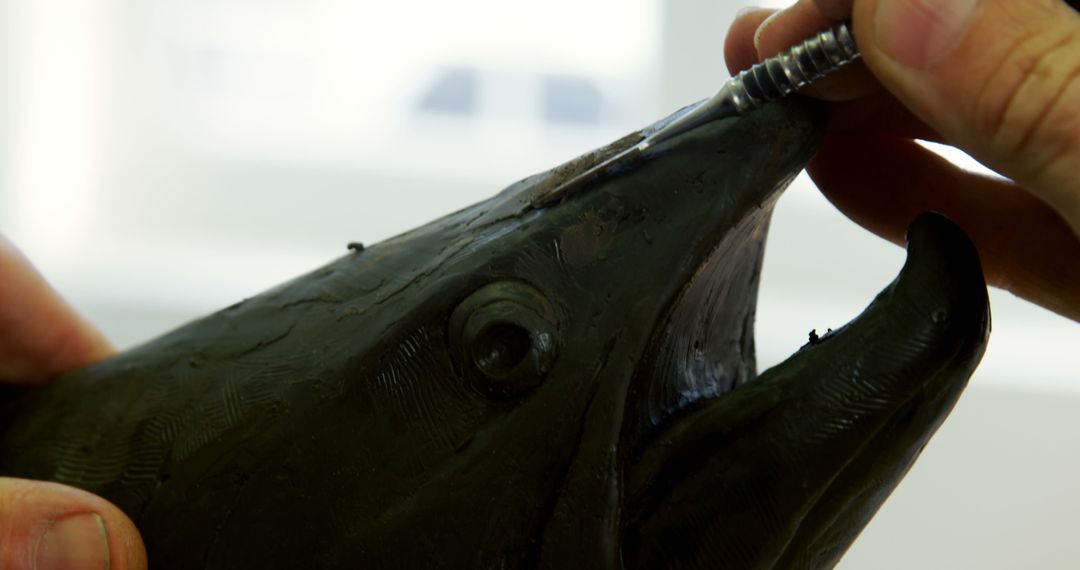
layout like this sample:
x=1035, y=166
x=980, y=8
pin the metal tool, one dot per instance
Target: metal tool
x=776, y=77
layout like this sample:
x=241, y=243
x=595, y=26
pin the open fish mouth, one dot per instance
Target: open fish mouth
x=784, y=470
x=722, y=466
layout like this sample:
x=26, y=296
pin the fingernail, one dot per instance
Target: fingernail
x=919, y=33
x=78, y=542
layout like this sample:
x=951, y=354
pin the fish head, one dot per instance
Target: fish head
x=470, y=384
x=560, y=376
x=589, y=395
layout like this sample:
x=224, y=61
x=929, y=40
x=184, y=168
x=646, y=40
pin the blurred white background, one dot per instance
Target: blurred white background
x=160, y=159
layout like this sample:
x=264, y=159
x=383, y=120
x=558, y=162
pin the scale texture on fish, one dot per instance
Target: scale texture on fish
x=562, y=376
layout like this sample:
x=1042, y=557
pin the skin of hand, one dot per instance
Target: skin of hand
x=999, y=79
x=47, y=526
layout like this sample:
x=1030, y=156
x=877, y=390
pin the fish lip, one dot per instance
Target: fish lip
x=831, y=491
x=922, y=412
x=807, y=532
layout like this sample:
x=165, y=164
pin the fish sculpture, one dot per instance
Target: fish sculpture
x=562, y=376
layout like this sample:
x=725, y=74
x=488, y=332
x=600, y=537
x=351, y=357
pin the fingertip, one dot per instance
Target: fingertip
x=47, y=525
x=739, y=50
x=788, y=27
x=795, y=24
x=125, y=543
x=76, y=343
x=764, y=29
x=41, y=336
x=130, y=545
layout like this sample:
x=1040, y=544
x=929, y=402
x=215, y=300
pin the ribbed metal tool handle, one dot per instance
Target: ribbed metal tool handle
x=793, y=69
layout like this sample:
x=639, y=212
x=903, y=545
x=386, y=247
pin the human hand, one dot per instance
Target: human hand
x=999, y=79
x=47, y=525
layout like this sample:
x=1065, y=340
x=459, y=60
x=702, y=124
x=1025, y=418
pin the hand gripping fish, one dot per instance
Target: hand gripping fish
x=562, y=376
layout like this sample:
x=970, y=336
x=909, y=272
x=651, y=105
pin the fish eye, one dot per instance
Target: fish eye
x=504, y=338
x=501, y=348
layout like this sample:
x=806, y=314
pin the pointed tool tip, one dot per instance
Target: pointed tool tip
x=708, y=111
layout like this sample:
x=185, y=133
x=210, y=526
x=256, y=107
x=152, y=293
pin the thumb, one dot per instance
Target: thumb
x=999, y=78
x=47, y=526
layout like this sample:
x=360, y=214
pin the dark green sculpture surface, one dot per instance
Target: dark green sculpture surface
x=562, y=376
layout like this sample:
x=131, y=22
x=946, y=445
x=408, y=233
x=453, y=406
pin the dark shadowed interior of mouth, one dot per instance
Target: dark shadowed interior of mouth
x=705, y=346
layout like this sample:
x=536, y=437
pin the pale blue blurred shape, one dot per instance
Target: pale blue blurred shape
x=572, y=99
x=454, y=92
